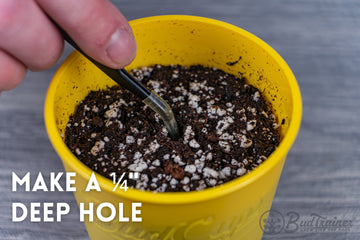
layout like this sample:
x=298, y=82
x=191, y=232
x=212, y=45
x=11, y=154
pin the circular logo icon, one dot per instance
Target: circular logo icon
x=272, y=222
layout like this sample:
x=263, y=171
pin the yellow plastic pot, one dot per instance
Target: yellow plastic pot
x=230, y=211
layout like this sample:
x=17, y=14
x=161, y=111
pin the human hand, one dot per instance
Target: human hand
x=29, y=40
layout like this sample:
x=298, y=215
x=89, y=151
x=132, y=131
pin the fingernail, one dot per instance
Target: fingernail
x=121, y=48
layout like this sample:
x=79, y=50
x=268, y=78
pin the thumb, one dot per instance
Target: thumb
x=97, y=27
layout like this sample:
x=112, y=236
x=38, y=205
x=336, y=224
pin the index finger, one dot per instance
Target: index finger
x=97, y=26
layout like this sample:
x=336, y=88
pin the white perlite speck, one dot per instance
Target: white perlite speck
x=137, y=155
x=195, y=177
x=224, y=124
x=173, y=182
x=241, y=171
x=186, y=188
x=256, y=96
x=252, y=110
x=112, y=113
x=121, y=126
x=193, y=100
x=212, y=182
x=234, y=162
x=86, y=108
x=227, y=171
x=185, y=180
x=188, y=133
x=211, y=110
x=194, y=144
x=209, y=172
x=178, y=99
x=77, y=151
x=230, y=109
x=245, y=142
x=194, y=86
x=138, y=167
x=143, y=182
x=181, y=89
x=250, y=125
x=229, y=119
x=177, y=159
x=157, y=117
x=140, y=140
x=130, y=139
x=190, y=168
x=122, y=146
x=202, y=185
x=220, y=112
x=124, y=163
x=225, y=145
x=221, y=126
x=199, y=165
x=154, y=84
x=164, y=131
x=156, y=162
x=162, y=188
x=95, y=109
x=222, y=175
x=108, y=122
x=97, y=148
x=153, y=147
x=226, y=136
x=134, y=130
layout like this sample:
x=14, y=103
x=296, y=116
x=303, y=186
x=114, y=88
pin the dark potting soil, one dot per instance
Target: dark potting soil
x=227, y=130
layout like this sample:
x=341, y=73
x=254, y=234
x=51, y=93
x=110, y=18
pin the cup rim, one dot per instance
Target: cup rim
x=180, y=197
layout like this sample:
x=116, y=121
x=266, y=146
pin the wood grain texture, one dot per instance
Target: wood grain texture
x=319, y=39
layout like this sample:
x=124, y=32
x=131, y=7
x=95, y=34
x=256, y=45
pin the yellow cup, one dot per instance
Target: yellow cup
x=230, y=211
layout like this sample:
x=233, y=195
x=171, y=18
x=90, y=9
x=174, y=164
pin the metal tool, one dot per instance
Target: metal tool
x=126, y=80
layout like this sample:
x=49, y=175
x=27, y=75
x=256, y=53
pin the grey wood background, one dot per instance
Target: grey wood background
x=320, y=40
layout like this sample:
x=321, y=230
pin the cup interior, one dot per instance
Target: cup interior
x=183, y=40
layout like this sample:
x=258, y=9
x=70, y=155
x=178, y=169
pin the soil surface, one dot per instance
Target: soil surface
x=227, y=130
